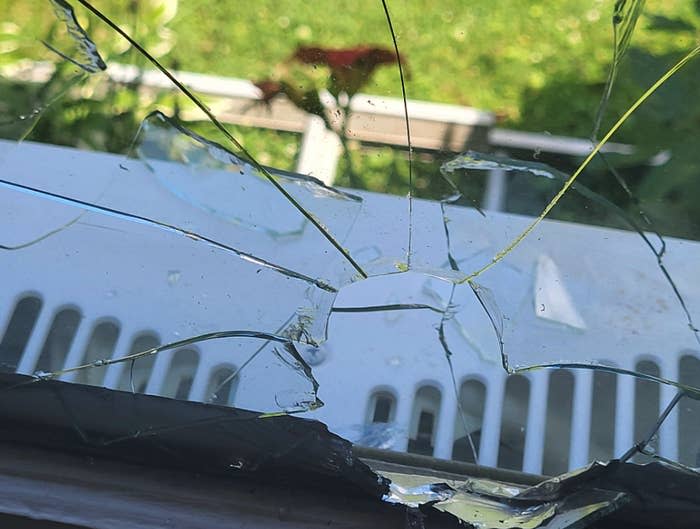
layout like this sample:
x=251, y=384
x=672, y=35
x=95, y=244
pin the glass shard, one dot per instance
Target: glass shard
x=485, y=504
x=84, y=52
x=188, y=269
x=110, y=266
x=596, y=296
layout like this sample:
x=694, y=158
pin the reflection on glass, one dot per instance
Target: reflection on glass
x=191, y=236
x=472, y=398
x=602, y=438
x=58, y=341
x=18, y=331
x=181, y=373
x=560, y=399
x=514, y=422
x=647, y=404
x=426, y=407
x=689, y=412
x=382, y=406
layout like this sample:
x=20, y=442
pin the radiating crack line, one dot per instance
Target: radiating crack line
x=516, y=242
x=448, y=357
x=409, y=252
x=641, y=445
x=388, y=307
x=167, y=227
x=628, y=21
x=227, y=134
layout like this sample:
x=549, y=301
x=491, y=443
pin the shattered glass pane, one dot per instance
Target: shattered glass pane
x=188, y=265
x=75, y=249
x=225, y=190
x=67, y=56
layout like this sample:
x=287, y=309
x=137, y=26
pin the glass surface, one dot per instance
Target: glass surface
x=231, y=206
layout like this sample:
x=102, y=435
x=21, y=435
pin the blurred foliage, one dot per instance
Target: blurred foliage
x=310, y=72
x=273, y=148
x=497, y=56
x=491, y=55
x=104, y=123
x=663, y=130
x=27, y=23
x=385, y=170
x=668, y=125
x=73, y=108
x=540, y=65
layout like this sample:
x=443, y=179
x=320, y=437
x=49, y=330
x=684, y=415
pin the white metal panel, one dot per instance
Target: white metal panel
x=397, y=350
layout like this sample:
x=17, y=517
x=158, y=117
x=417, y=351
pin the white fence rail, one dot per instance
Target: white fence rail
x=374, y=119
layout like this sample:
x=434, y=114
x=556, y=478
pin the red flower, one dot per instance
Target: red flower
x=350, y=68
x=359, y=57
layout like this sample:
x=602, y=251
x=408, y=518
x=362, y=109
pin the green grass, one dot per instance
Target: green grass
x=498, y=56
x=539, y=64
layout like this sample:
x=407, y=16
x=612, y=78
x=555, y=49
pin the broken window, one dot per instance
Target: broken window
x=440, y=286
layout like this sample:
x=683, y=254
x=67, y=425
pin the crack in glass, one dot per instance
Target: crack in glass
x=197, y=224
